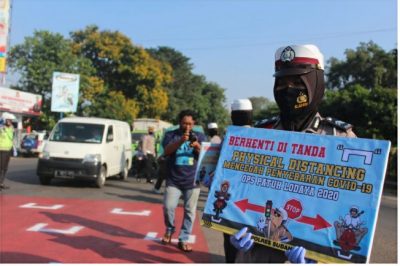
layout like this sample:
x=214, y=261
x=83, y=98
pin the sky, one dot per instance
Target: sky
x=230, y=42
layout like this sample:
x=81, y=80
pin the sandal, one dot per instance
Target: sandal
x=184, y=246
x=166, y=239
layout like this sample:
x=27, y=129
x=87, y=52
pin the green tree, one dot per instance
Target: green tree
x=364, y=93
x=37, y=58
x=125, y=67
x=190, y=91
x=372, y=112
x=369, y=65
x=263, y=108
x=113, y=104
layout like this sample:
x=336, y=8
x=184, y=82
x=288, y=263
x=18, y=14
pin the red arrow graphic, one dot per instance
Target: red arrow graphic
x=245, y=205
x=318, y=222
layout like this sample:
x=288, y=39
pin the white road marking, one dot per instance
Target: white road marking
x=32, y=205
x=40, y=227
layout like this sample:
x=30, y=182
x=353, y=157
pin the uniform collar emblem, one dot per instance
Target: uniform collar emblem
x=287, y=54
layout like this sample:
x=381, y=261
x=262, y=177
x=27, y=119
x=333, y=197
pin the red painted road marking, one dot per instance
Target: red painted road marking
x=106, y=238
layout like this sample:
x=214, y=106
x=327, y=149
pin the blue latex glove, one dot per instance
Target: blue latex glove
x=241, y=240
x=296, y=255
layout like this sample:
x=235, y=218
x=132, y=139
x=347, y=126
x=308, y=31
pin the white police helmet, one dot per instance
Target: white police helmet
x=297, y=60
x=282, y=212
x=8, y=116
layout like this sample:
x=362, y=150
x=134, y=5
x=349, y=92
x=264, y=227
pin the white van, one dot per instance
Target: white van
x=86, y=147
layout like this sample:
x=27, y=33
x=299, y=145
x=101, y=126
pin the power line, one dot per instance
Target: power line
x=319, y=37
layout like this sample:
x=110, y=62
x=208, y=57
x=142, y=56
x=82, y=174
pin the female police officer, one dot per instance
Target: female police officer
x=298, y=91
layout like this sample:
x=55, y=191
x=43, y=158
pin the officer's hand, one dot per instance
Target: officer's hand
x=241, y=240
x=296, y=255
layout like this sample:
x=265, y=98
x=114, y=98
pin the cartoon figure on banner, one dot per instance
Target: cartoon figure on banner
x=222, y=197
x=349, y=231
x=272, y=224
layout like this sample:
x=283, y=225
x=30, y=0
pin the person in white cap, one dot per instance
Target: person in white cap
x=298, y=90
x=6, y=145
x=241, y=115
x=213, y=133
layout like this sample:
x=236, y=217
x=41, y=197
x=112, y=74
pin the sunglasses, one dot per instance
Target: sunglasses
x=277, y=214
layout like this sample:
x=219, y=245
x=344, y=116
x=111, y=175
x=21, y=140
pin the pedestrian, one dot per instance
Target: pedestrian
x=241, y=115
x=6, y=145
x=213, y=133
x=298, y=91
x=182, y=146
x=148, y=147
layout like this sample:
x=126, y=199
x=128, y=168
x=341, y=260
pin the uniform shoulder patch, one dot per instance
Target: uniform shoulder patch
x=337, y=123
x=267, y=123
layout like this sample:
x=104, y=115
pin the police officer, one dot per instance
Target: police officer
x=6, y=145
x=298, y=90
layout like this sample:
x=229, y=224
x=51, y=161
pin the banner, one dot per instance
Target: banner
x=16, y=101
x=207, y=163
x=65, y=92
x=4, y=29
x=298, y=189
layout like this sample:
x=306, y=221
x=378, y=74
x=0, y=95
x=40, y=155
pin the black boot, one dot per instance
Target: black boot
x=2, y=177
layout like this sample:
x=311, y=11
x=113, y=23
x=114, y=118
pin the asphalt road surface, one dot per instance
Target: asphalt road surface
x=107, y=239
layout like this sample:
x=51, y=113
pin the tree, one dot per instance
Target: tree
x=263, y=108
x=363, y=92
x=368, y=65
x=37, y=58
x=372, y=112
x=190, y=91
x=125, y=67
x=114, y=105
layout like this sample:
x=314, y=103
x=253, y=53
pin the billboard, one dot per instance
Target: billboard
x=299, y=189
x=4, y=29
x=65, y=92
x=16, y=101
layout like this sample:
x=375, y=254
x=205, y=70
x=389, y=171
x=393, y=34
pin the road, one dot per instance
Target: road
x=128, y=194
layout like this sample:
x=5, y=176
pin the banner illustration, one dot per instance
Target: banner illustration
x=207, y=163
x=297, y=189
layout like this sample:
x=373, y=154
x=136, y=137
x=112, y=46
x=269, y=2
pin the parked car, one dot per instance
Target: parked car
x=86, y=148
x=33, y=143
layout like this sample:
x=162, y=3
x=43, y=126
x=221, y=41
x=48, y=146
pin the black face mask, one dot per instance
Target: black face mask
x=242, y=117
x=293, y=102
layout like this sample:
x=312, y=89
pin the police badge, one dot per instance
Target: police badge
x=287, y=54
